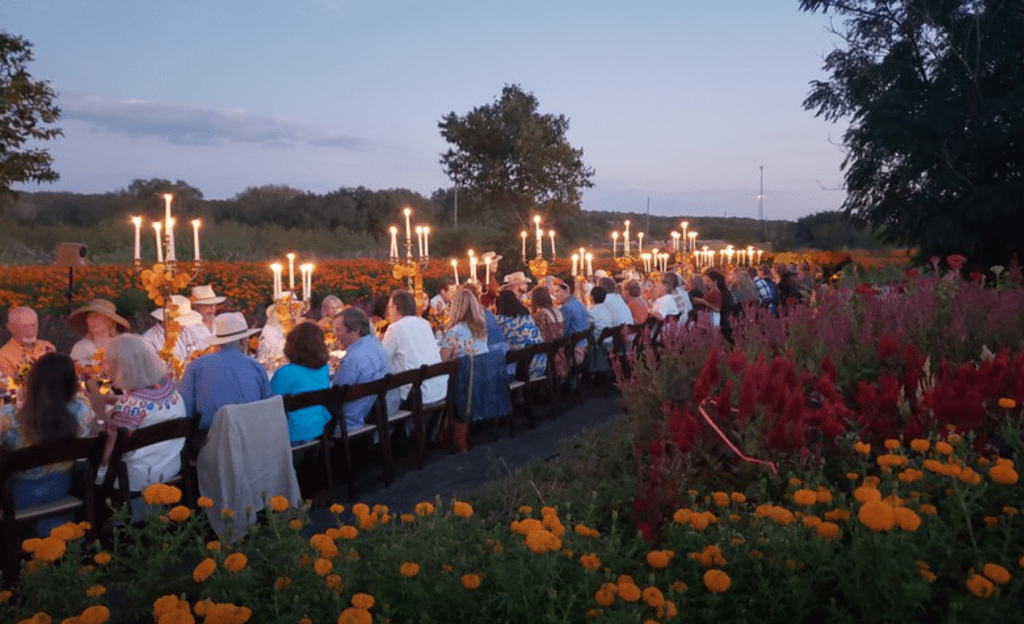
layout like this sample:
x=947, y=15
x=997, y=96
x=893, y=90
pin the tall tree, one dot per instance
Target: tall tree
x=26, y=114
x=934, y=90
x=514, y=157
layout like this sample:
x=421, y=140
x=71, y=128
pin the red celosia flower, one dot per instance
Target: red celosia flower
x=976, y=276
x=888, y=345
x=911, y=273
x=867, y=290
x=955, y=261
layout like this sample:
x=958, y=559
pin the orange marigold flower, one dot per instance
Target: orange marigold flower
x=424, y=509
x=828, y=530
x=348, y=532
x=525, y=509
x=1007, y=403
x=862, y=447
x=334, y=582
x=278, y=503
x=877, y=516
x=204, y=502
x=337, y=509
x=892, y=444
x=658, y=559
x=102, y=558
x=980, y=586
x=944, y=447
x=203, y=571
x=235, y=562
x=361, y=509
x=409, y=569
x=996, y=573
x=67, y=531
x=678, y=587
x=463, y=510
x=605, y=596
x=585, y=531
x=282, y=582
x=920, y=446
x=49, y=549
x=907, y=519
x=295, y=524
x=1003, y=474
x=470, y=581
x=805, y=498
x=721, y=499
x=95, y=590
x=890, y=460
x=867, y=494
x=824, y=495
x=179, y=513
x=591, y=562
x=681, y=516
x=322, y=566
x=363, y=601
x=653, y=597
x=910, y=475
x=717, y=581
x=837, y=515
x=628, y=592
x=738, y=497
x=353, y=615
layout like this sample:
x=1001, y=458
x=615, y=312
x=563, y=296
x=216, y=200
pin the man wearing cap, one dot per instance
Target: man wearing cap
x=227, y=377
x=205, y=302
x=24, y=345
x=191, y=336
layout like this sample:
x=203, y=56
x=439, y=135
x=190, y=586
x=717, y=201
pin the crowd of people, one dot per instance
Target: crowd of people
x=116, y=381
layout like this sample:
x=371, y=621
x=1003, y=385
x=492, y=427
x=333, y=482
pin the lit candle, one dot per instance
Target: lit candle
x=170, y=243
x=394, y=243
x=291, y=272
x=276, y=268
x=195, y=237
x=137, y=222
x=408, y=229
x=759, y=252
x=551, y=234
x=693, y=241
x=426, y=241
x=639, y=242
x=675, y=241
x=419, y=240
x=590, y=264
x=523, y=234
x=540, y=235
x=306, y=271
x=575, y=261
x=487, y=271
x=455, y=270
x=472, y=267
x=685, y=225
x=157, y=226
x=625, y=240
x=615, y=243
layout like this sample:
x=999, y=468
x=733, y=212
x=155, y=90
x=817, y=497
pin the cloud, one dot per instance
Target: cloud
x=187, y=125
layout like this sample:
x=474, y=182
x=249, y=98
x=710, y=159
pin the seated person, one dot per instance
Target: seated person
x=633, y=295
x=226, y=377
x=192, y=334
x=98, y=322
x=440, y=302
x=621, y=314
x=51, y=410
x=24, y=347
x=519, y=329
x=271, y=350
x=466, y=333
x=600, y=313
x=205, y=302
x=365, y=360
x=664, y=303
x=306, y=370
x=410, y=343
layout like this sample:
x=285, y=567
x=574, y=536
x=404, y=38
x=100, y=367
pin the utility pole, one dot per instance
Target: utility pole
x=456, y=205
x=760, y=205
x=649, y=217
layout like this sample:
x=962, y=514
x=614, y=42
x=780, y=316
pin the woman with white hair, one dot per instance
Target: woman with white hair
x=149, y=396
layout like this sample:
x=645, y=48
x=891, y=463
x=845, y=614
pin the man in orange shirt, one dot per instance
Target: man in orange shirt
x=24, y=346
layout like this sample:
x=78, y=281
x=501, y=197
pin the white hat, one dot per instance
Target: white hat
x=204, y=295
x=230, y=327
x=186, y=315
x=517, y=278
x=598, y=274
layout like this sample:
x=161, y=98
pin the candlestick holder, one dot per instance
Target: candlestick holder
x=539, y=268
x=290, y=311
x=161, y=281
x=625, y=262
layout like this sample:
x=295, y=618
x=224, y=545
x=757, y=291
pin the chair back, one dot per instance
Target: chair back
x=483, y=387
x=128, y=441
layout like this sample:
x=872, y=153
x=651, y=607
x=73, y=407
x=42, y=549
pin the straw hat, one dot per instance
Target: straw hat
x=100, y=306
x=186, y=315
x=204, y=295
x=517, y=277
x=230, y=327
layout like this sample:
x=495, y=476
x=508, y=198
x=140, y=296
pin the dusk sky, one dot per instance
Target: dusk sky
x=677, y=101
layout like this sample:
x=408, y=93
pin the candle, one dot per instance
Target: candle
x=455, y=270
x=540, y=236
x=419, y=240
x=170, y=242
x=276, y=268
x=615, y=243
x=137, y=222
x=523, y=234
x=551, y=234
x=625, y=240
x=759, y=252
x=426, y=241
x=575, y=260
x=590, y=264
x=307, y=281
x=487, y=272
x=394, y=244
x=685, y=225
x=408, y=229
x=472, y=267
x=675, y=241
x=291, y=272
x=157, y=226
x=639, y=242
x=195, y=238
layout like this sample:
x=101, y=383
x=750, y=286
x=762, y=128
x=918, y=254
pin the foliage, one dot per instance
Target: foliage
x=936, y=143
x=27, y=113
x=516, y=157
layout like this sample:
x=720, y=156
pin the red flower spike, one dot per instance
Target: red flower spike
x=888, y=345
x=955, y=261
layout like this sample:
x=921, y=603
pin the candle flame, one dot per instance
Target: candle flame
x=196, y=223
x=137, y=221
x=394, y=230
x=407, y=211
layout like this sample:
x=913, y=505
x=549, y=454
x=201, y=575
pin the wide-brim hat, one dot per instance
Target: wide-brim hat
x=598, y=274
x=186, y=315
x=517, y=277
x=204, y=295
x=103, y=307
x=230, y=327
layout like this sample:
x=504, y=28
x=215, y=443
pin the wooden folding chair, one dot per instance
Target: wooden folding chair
x=437, y=411
x=378, y=422
x=89, y=451
x=524, y=385
x=578, y=371
x=330, y=399
x=129, y=441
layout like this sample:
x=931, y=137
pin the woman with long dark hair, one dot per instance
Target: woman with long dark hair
x=51, y=410
x=519, y=328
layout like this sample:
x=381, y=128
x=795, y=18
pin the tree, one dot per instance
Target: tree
x=515, y=158
x=934, y=90
x=26, y=112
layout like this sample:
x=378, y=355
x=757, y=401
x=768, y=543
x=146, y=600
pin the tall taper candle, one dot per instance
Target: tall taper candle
x=291, y=272
x=455, y=270
x=137, y=221
x=157, y=226
x=408, y=228
x=575, y=260
x=625, y=240
x=170, y=235
x=394, y=243
x=615, y=243
x=551, y=235
x=419, y=240
x=523, y=234
x=195, y=238
x=426, y=241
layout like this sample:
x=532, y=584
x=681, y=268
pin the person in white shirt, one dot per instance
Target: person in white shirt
x=440, y=302
x=664, y=303
x=192, y=334
x=600, y=314
x=681, y=297
x=616, y=304
x=410, y=343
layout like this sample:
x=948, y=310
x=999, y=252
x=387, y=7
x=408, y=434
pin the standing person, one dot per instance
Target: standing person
x=99, y=323
x=743, y=289
x=789, y=290
x=664, y=303
x=466, y=333
x=225, y=377
x=192, y=334
x=632, y=294
x=365, y=360
x=616, y=303
x=52, y=410
x=409, y=342
x=24, y=347
x=767, y=293
x=519, y=328
x=305, y=371
x=205, y=302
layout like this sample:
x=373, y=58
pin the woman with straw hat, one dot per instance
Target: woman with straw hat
x=98, y=322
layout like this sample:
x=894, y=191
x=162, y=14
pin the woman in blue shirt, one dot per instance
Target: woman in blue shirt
x=306, y=370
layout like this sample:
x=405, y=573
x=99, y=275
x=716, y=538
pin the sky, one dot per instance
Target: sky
x=676, y=104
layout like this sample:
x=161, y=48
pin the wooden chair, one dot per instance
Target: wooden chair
x=413, y=408
x=129, y=441
x=525, y=386
x=342, y=436
x=435, y=412
x=377, y=420
x=609, y=345
x=579, y=372
x=553, y=349
x=328, y=398
x=87, y=450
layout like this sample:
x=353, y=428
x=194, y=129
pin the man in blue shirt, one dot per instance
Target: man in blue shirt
x=766, y=290
x=573, y=311
x=227, y=377
x=365, y=360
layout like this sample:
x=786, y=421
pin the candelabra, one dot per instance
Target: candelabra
x=166, y=277
x=411, y=268
x=538, y=265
